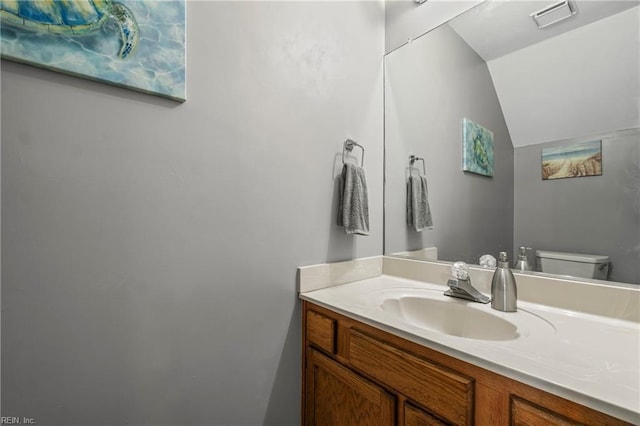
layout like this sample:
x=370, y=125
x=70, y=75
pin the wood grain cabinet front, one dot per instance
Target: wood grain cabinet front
x=336, y=396
x=441, y=390
x=321, y=331
x=355, y=374
x=413, y=416
x=524, y=413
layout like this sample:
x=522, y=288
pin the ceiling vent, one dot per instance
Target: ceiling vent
x=554, y=13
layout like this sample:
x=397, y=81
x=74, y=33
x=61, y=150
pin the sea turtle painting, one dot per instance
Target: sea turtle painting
x=477, y=151
x=72, y=18
x=134, y=44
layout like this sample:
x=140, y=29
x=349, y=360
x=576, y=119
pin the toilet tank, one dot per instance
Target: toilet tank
x=575, y=264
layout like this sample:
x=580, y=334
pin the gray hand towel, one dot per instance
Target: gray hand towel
x=418, y=210
x=353, y=203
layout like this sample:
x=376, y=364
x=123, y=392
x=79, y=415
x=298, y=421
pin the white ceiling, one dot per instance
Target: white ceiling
x=497, y=27
x=575, y=79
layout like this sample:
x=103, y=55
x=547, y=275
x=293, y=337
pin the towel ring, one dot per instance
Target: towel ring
x=413, y=159
x=348, y=146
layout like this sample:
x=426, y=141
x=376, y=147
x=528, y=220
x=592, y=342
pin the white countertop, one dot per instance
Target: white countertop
x=590, y=359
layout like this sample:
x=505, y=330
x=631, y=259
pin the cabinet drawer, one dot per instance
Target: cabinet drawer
x=321, y=331
x=524, y=413
x=413, y=416
x=441, y=391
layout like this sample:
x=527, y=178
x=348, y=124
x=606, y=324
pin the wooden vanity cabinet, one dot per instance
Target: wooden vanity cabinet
x=355, y=374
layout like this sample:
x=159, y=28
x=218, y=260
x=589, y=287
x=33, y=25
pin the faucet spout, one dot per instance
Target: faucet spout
x=462, y=289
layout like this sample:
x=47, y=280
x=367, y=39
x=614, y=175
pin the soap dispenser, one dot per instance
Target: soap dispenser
x=523, y=262
x=503, y=287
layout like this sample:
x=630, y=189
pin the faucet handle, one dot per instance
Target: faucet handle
x=460, y=270
x=488, y=261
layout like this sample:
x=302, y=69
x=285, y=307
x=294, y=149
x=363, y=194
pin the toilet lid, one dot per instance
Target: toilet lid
x=574, y=257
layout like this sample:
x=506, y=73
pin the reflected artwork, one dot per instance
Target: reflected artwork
x=583, y=159
x=137, y=44
x=477, y=148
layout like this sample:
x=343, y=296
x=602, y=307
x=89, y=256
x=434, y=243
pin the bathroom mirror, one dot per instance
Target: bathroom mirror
x=534, y=89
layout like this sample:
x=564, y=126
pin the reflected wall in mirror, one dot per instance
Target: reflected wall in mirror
x=573, y=82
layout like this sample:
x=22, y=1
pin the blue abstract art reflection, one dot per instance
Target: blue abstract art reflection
x=477, y=148
x=137, y=44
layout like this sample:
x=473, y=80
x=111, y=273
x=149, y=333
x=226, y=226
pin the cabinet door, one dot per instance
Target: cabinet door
x=336, y=396
x=413, y=416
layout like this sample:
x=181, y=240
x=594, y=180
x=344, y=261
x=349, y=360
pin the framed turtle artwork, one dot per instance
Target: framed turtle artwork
x=136, y=44
x=477, y=148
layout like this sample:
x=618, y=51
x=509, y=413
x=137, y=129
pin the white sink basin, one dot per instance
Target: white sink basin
x=453, y=317
x=431, y=310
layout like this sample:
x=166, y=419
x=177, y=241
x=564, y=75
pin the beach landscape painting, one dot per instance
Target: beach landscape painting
x=477, y=148
x=579, y=160
x=136, y=44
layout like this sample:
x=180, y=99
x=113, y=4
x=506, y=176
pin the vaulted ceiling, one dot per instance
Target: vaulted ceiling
x=579, y=77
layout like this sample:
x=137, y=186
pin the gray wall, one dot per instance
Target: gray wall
x=150, y=248
x=431, y=85
x=594, y=215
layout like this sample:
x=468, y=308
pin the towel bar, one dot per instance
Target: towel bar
x=413, y=159
x=348, y=146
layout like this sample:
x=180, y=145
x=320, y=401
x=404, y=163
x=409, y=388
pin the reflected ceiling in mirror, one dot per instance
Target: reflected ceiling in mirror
x=573, y=82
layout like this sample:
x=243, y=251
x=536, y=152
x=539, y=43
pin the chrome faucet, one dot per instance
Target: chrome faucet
x=460, y=286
